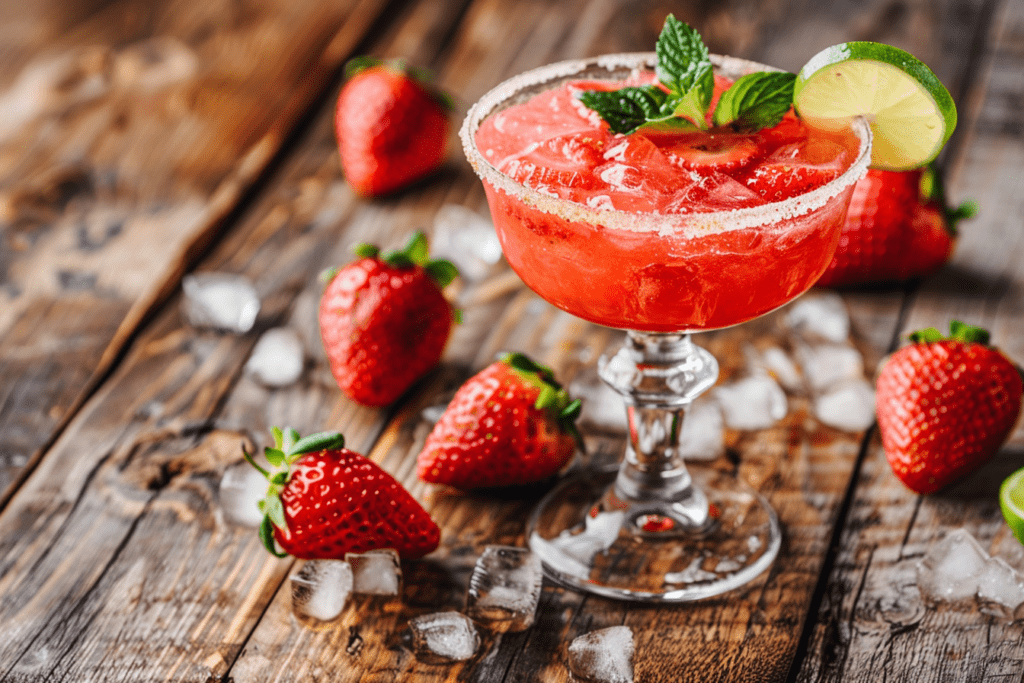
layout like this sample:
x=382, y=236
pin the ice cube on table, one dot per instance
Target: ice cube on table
x=221, y=301
x=703, y=433
x=277, y=358
x=505, y=588
x=376, y=572
x=777, y=364
x=603, y=407
x=1000, y=589
x=604, y=656
x=465, y=238
x=820, y=314
x=952, y=568
x=241, y=489
x=443, y=637
x=850, y=407
x=321, y=588
x=826, y=366
x=756, y=402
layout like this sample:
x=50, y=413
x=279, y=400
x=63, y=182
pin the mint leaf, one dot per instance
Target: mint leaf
x=627, y=109
x=756, y=101
x=683, y=61
x=693, y=105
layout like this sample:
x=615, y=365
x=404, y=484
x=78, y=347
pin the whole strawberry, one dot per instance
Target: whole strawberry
x=325, y=500
x=945, y=405
x=384, y=321
x=391, y=127
x=897, y=228
x=510, y=424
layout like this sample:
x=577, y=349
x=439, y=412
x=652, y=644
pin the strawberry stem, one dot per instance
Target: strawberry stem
x=958, y=331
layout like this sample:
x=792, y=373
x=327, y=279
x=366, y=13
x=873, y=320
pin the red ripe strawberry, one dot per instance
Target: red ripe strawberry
x=708, y=151
x=391, y=128
x=384, y=321
x=510, y=424
x=897, y=228
x=945, y=405
x=325, y=500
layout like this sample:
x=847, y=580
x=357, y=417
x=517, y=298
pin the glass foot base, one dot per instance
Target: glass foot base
x=590, y=539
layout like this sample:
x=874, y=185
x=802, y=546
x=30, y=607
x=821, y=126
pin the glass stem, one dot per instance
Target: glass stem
x=658, y=376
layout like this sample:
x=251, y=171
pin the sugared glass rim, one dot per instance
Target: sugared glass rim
x=687, y=225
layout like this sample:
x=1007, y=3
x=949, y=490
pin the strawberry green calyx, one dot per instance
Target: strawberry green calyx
x=415, y=253
x=424, y=77
x=552, y=398
x=288, y=447
x=683, y=94
x=934, y=189
x=958, y=331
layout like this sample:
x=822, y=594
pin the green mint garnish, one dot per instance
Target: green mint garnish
x=687, y=84
x=756, y=101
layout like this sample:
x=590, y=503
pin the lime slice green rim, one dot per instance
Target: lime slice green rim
x=910, y=112
x=1011, y=501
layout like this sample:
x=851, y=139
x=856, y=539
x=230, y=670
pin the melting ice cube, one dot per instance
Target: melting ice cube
x=752, y=403
x=777, y=364
x=604, y=656
x=467, y=239
x=849, y=407
x=827, y=365
x=820, y=314
x=602, y=406
x=377, y=572
x=505, y=588
x=443, y=637
x=220, y=301
x=958, y=569
x=241, y=489
x=703, y=433
x=277, y=358
x=321, y=588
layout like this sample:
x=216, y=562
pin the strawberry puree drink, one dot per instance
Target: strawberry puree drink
x=673, y=230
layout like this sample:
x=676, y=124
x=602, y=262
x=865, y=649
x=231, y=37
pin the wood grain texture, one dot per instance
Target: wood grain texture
x=873, y=617
x=116, y=560
x=130, y=131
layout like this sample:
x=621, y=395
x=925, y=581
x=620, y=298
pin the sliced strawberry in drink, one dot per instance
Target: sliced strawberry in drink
x=797, y=168
x=707, y=152
x=558, y=163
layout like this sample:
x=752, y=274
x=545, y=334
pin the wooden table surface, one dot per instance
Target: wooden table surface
x=141, y=141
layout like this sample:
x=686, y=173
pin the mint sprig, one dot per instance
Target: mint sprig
x=755, y=101
x=686, y=85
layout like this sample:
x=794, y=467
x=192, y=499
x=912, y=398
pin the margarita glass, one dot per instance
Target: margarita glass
x=653, y=530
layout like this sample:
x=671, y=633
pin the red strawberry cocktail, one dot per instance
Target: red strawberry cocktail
x=659, y=231
x=619, y=197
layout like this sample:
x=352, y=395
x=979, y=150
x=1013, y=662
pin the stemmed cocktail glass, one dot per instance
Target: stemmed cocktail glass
x=654, y=529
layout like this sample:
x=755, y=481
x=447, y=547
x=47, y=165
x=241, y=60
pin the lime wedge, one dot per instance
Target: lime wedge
x=1011, y=500
x=910, y=112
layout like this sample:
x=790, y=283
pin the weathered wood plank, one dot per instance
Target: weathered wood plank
x=130, y=130
x=92, y=588
x=873, y=616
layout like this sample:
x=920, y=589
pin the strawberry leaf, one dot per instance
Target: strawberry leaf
x=756, y=101
x=327, y=274
x=275, y=456
x=248, y=457
x=441, y=271
x=274, y=510
x=548, y=398
x=926, y=336
x=968, y=333
x=366, y=250
x=288, y=442
x=267, y=536
x=279, y=479
x=417, y=249
x=321, y=441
